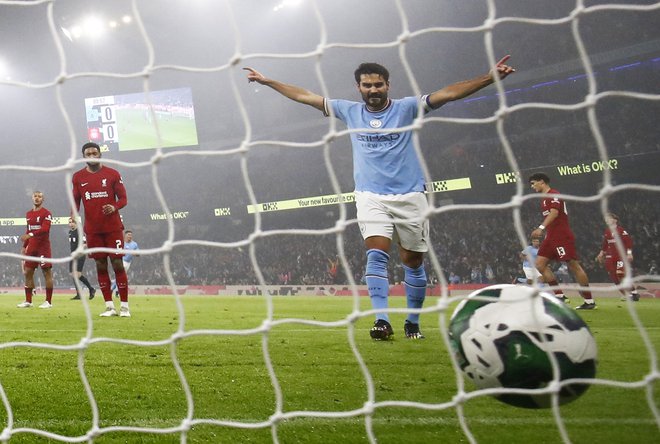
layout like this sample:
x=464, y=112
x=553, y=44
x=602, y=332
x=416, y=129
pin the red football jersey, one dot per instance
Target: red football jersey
x=559, y=228
x=95, y=190
x=609, y=243
x=38, y=223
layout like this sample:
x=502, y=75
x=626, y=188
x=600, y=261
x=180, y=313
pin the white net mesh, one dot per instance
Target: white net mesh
x=257, y=199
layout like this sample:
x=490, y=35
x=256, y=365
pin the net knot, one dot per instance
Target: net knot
x=235, y=60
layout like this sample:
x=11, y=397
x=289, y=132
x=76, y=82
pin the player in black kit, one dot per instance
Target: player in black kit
x=76, y=265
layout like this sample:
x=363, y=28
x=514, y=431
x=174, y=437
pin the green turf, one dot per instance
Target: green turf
x=315, y=368
x=136, y=133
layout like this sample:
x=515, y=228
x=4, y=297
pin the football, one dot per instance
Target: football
x=506, y=336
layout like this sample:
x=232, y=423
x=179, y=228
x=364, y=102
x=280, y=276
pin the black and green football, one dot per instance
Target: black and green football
x=514, y=336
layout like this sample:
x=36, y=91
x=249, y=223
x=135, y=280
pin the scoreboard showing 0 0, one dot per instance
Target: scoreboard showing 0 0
x=102, y=122
x=109, y=125
x=127, y=122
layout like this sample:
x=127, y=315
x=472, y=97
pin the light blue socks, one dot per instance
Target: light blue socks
x=415, y=284
x=377, y=282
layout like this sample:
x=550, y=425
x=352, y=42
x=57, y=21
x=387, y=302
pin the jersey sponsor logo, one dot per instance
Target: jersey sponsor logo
x=378, y=137
x=95, y=195
x=375, y=123
x=34, y=227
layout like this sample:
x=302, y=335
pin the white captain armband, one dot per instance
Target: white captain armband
x=427, y=103
x=326, y=111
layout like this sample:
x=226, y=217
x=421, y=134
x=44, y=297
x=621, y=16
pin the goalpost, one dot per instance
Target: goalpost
x=476, y=154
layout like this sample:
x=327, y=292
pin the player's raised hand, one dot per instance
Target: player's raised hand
x=254, y=76
x=502, y=68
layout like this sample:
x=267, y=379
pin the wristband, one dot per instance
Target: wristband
x=541, y=227
x=31, y=234
x=629, y=252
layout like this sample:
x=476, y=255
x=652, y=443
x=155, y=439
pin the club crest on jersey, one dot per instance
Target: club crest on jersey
x=104, y=182
x=375, y=123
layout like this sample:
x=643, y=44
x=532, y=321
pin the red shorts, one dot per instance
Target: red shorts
x=616, y=268
x=114, y=239
x=40, y=251
x=562, y=250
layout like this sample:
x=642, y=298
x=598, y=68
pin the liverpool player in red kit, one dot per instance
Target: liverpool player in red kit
x=103, y=194
x=36, y=242
x=559, y=241
x=609, y=254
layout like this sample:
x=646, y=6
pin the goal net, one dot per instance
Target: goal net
x=250, y=314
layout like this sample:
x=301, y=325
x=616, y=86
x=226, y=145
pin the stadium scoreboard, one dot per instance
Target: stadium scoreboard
x=137, y=121
x=102, y=122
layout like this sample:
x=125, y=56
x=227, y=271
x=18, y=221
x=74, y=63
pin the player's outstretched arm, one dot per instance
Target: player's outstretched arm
x=295, y=93
x=459, y=90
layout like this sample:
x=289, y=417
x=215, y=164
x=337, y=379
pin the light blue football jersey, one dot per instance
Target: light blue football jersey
x=533, y=252
x=132, y=245
x=383, y=162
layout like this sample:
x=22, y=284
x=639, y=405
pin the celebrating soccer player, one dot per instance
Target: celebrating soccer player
x=609, y=254
x=103, y=194
x=389, y=181
x=559, y=241
x=36, y=242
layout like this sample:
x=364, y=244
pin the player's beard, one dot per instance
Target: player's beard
x=375, y=101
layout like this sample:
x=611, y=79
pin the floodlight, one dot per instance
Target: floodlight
x=93, y=27
x=76, y=31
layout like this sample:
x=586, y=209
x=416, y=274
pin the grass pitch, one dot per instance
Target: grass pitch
x=136, y=133
x=219, y=343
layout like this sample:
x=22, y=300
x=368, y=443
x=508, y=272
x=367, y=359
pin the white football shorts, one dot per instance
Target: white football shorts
x=531, y=272
x=376, y=214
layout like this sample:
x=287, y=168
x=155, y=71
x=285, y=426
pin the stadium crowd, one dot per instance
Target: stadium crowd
x=472, y=246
